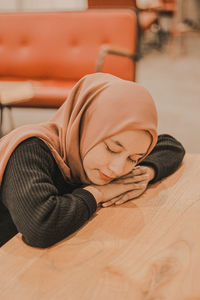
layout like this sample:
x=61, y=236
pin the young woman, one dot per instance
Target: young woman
x=95, y=151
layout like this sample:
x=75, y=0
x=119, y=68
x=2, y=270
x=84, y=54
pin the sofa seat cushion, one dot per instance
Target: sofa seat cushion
x=47, y=93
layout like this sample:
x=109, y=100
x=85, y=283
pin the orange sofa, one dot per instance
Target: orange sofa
x=145, y=17
x=53, y=50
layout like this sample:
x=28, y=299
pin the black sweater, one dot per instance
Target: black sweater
x=36, y=200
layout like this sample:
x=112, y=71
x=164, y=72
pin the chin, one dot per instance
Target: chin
x=94, y=178
x=97, y=182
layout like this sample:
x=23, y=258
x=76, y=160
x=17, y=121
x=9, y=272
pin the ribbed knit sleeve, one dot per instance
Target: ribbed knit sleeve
x=165, y=158
x=40, y=210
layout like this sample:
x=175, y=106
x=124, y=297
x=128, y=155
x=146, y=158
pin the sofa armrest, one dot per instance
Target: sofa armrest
x=107, y=49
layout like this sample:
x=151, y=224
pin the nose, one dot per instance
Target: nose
x=117, y=166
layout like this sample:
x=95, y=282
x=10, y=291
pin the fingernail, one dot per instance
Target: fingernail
x=137, y=167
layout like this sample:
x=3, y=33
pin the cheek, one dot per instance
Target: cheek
x=128, y=168
x=95, y=158
x=89, y=161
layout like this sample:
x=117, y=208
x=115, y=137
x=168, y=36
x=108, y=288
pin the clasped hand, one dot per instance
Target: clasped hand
x=137, y=180
x=124, y=188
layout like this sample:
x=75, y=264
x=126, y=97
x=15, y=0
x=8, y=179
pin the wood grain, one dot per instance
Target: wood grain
x=11, y=91
x=146, y=249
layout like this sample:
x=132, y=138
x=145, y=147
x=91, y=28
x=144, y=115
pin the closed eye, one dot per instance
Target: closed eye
x=129, y=158
x=132, y=160
x=110, y=149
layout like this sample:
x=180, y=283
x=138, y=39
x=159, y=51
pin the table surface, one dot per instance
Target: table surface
x=148, y=248
x=15, y=91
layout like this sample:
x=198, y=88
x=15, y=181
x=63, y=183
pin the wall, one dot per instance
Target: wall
x=30, y=5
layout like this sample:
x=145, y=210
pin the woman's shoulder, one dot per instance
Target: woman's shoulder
x=33, y=150
x=32, y=143
x=33, y=154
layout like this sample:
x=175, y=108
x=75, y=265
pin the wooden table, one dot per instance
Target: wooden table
x=15, y=91
x=12, y=92
x=145, y=249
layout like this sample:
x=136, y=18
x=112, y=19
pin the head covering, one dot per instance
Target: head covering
x=100, y=105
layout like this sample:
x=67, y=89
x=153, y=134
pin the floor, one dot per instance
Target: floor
x=173, y=81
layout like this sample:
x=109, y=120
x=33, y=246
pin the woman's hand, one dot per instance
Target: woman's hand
x=124, y=188
x=140, y=176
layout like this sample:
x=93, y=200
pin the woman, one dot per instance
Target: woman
x=54, y=175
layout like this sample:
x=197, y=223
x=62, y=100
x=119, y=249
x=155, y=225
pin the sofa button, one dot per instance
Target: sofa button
x=24, y=42
x=74, y=43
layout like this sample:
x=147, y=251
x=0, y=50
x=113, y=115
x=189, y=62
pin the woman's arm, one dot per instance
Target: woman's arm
x=165, y=158
x=38, y=209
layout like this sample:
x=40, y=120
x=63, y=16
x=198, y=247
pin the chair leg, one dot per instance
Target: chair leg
x=1, y=120
x=138, y=43
x=12, y=125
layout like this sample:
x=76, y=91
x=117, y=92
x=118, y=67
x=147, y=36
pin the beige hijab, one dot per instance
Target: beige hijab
x=100, y=105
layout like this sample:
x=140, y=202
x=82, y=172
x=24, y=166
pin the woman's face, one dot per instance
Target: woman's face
x=115, y=156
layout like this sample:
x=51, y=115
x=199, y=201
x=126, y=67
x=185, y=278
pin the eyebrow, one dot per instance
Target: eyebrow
x=119, y=144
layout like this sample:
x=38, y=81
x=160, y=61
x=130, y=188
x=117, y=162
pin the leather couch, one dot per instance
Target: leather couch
x=53, y=50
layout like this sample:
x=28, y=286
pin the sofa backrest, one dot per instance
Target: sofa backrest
x=112, y=3
x=65, y=45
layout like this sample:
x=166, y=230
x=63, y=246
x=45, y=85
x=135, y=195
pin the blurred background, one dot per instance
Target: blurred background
x=167, y=62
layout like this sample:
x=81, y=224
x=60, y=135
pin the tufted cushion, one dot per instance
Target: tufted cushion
x=55, y=49
x=63, y=45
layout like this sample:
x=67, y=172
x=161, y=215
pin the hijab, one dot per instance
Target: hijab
x=100, y=105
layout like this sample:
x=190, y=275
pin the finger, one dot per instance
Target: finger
x=134, y=179
x=111, y=202
x=130, y=174
x=130, y=196
x=129, y=185
x=140, y=178
x=140, y=170
x=141, y=187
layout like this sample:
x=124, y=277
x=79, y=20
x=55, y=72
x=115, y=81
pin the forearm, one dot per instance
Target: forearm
x=45, y=222
x=63, y=216
x=165, y=158
x=43, y=213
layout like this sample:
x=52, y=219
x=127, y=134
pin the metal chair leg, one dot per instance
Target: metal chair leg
x=1, y=120
x=12, y=125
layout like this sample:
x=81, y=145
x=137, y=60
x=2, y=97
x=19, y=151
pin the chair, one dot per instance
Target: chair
x=145, y=17
x=52, y=50
x=180, y=28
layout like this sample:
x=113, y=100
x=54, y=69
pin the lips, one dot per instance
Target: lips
x=104, y=177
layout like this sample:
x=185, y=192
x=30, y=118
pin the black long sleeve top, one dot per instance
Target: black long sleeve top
x=37, y=201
